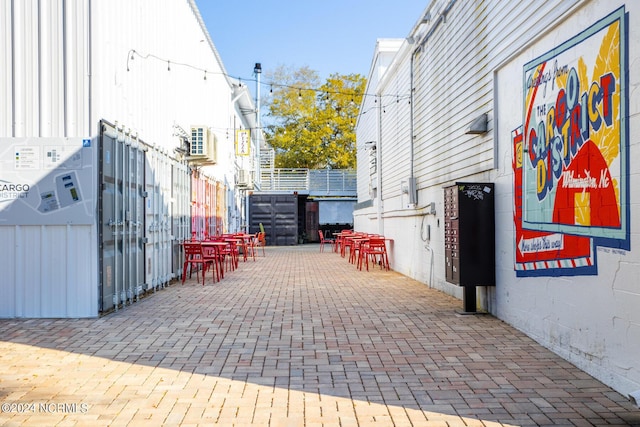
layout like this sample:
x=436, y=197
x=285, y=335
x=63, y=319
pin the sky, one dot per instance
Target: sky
x=328, y=36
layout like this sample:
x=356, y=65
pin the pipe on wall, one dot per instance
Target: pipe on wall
x=379, y=169
x=441, y=18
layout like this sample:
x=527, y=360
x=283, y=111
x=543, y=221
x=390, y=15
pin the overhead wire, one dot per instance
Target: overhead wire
x=270, y=84
x=132, y=54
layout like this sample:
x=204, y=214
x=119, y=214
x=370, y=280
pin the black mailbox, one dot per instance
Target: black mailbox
x=469, y=233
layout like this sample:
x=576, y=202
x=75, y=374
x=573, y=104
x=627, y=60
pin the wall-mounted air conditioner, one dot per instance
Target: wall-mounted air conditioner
x=202, y=149
x=245, y=179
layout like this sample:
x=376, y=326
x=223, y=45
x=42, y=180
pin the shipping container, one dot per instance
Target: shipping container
x=103, y=105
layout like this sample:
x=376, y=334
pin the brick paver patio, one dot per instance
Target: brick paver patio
x=296, y=338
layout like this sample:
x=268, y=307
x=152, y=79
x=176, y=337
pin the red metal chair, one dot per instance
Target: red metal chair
x=245, y=241
x=355, y=252
x=193, y=257
x=232, y=253
x=344, y=242
x=324, y=240
x=226, y=253
x=251, y=247
x=376, y=250
x=213, y=259
x=348, y=242
x=260, y=241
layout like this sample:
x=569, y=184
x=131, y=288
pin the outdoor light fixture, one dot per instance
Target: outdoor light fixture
x=478, y=126
x=130, y=57
x=258, y=68
x=370, y=145
x=635, y=398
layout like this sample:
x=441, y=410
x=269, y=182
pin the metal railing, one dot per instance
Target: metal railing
x=284, y=179
x=339, y=182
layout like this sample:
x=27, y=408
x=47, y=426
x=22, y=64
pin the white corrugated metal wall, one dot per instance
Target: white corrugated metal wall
x=36, y=284
x=149, y=62
x=43, y=94
x=70, y=65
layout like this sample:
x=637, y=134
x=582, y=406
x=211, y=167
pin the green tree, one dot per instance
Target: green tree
x=312, y=125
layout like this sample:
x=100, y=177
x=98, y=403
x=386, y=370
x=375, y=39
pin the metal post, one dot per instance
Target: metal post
x=258, y=70
x=126, y=183
x=136, y=218
x=116, y=296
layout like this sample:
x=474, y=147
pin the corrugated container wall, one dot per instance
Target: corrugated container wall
x=149, y=68
x=46, y=92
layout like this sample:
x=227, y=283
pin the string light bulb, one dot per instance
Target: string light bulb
x=130, y=58
x=132, y=53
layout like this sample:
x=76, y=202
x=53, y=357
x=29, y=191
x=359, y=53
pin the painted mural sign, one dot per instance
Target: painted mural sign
x=571, y=164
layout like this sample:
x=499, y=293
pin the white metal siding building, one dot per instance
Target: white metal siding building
x=538, y=101
x=98, y=100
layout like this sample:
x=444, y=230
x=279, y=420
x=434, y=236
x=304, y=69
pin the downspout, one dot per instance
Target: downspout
x=244, y=198
x=441, y=18
x=413, y=193
x=379, y=168
x=412, y=137
x=258, y=126
x=256, y=163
